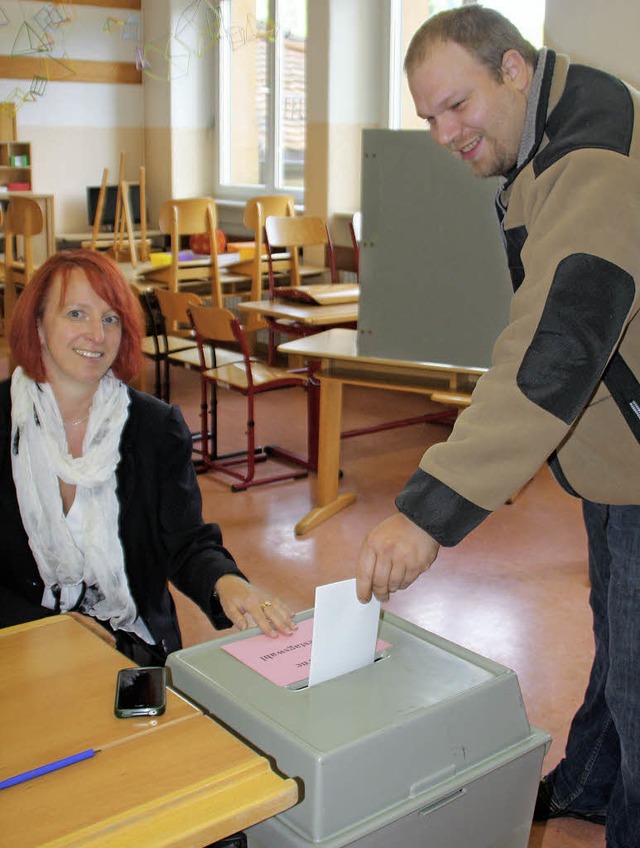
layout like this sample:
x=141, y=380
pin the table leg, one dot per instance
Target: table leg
x=329, y=501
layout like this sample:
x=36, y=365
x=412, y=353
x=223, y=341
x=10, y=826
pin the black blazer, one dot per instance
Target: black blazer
x=162, y=531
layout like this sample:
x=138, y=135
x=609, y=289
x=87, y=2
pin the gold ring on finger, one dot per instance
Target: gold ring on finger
x=264, y=605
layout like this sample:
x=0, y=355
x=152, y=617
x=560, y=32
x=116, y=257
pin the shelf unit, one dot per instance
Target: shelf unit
x=15, y=165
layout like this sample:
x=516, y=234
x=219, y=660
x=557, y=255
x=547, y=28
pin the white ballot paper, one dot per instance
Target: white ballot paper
x=344, y=631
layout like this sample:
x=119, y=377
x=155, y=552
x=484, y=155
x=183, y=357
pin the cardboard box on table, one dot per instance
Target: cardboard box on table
x=428, y=747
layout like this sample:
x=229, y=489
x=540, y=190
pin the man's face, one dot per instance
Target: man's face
x=469, y=111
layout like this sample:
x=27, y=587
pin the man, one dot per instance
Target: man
x=563, y=386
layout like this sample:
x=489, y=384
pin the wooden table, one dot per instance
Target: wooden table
x=339, y=365
x=176, y=780
x=312, y=316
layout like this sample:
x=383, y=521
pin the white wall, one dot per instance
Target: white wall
x=75, y=129
x=604, y=34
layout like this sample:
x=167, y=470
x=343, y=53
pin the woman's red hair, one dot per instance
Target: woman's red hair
x=107, y=281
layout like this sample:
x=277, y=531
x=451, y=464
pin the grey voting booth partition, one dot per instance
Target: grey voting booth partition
x=434, y=279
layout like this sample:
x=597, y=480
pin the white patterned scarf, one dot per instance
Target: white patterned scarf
x=92, y=579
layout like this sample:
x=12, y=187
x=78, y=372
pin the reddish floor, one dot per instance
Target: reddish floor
x=516, y=590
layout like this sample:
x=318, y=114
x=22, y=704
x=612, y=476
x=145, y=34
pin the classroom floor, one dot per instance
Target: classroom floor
x=516, y=590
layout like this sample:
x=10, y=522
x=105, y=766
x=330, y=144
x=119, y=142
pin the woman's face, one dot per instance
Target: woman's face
x=80, y=337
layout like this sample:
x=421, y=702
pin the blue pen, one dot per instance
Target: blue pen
x=45, y=769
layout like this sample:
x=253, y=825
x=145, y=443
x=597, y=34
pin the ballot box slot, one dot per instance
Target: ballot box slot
x=301, y=685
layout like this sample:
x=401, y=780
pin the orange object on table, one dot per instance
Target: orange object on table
x=199, y=242
x=246, y=249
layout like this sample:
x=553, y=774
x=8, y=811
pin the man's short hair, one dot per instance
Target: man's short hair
x=484, y=33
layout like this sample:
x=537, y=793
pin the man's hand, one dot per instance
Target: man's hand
x=392, y=556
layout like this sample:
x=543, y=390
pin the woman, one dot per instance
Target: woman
x=99, y=503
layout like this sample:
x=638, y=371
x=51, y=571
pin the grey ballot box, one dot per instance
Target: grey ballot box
x=427, y=747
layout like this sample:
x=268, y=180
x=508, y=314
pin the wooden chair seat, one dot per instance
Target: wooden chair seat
x=235, y=374
x=190, y=358
x=166, y=344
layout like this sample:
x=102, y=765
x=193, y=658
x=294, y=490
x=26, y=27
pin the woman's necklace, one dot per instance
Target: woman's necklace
x=75, y=423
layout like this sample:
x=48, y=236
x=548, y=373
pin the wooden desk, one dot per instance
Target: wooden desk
x=67, y=241
x=340, y=365
x=177, y=780
x=312, y=316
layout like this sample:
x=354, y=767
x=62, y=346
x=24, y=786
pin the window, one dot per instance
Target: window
x=407, y=15
x=261, y=107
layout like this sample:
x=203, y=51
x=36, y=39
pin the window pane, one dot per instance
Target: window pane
x=527, y=16
x=292, y=26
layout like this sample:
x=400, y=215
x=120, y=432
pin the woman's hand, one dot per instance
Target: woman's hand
x=240, y=599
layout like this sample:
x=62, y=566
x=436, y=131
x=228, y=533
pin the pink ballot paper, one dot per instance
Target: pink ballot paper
x=288, y=659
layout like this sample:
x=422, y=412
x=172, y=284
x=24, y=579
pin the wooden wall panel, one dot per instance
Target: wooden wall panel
x=69, y=70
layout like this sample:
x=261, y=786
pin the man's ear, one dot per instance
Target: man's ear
x=515, y=70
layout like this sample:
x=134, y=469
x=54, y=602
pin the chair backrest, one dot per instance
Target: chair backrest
x=258, y=209
x=191, y=216
x=256, y=212
x=175, y=310
x=24, y=219
x=294, y=233
x=216, y=325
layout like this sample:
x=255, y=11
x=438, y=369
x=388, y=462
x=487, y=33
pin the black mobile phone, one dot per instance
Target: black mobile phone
x=141, y=692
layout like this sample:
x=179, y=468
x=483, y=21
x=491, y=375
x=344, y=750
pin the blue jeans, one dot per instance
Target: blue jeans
x=600, y=772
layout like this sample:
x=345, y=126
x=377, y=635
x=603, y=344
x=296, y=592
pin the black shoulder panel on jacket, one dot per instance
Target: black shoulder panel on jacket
x=436, y=508
x=595, y=111
x=514, y=239
x=583, y=317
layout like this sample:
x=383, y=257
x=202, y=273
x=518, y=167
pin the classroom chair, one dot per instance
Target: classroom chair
x=217, y=329
x=180, y=219
x=294, y=234
x=160, y=344
x=256, y=212
x=24, y=219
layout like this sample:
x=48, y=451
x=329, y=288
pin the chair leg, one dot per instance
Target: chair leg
x=202, y=463
x=157, y=380
x=166, y=387
x=272, y=347
x=251, y=455
x=251, y=441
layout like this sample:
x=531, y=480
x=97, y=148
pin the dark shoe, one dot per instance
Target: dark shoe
x=546, y=808
x=238, y=840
